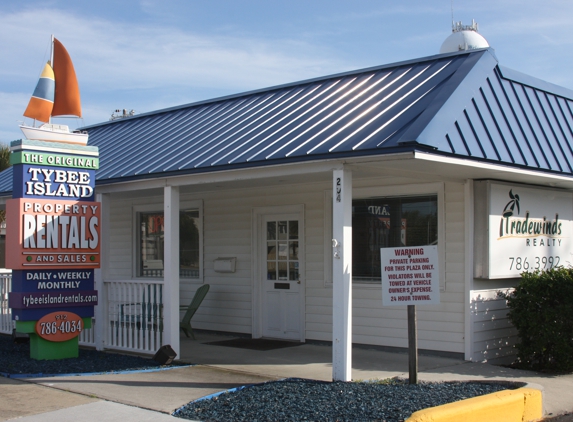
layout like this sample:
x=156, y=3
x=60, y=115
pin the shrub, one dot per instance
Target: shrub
x=541, y=308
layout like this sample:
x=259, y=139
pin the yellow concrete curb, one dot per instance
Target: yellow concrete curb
x=521, y=405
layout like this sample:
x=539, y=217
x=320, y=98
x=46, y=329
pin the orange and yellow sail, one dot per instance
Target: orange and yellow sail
x=42, y=101
x=57, y=92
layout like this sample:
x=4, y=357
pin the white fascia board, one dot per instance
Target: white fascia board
x=544, y=177
x=281, y=170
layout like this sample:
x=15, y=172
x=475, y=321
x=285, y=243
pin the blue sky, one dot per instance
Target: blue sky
x=147, y=55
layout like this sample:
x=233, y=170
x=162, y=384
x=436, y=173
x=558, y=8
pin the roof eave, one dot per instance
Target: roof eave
x=533, y=82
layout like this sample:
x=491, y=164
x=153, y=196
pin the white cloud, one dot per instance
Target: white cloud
x=149, y=64
x=128, y=56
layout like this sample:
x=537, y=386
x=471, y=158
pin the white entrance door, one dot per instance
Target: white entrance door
x=281, y=271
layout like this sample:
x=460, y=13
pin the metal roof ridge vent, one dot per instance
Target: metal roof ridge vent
x=463, y=38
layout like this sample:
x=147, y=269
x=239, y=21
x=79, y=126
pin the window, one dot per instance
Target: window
x=389, y=222
x=282, y=250
x=151, y=242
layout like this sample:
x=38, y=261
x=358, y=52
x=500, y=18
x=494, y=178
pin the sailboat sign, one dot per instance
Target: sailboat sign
x=57, y=94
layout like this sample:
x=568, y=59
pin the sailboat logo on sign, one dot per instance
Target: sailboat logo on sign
x=511, y=226
x=57, y=94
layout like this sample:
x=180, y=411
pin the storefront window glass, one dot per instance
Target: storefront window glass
x=151, y=243
x=389, y=222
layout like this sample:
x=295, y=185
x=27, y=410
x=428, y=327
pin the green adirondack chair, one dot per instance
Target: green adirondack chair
x=191, y=309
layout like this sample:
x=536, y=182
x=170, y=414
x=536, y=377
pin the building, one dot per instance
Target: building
x=237, y=193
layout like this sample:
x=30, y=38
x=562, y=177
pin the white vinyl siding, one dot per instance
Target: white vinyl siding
x=493, y=336
x=227, y=233
x=121, y=248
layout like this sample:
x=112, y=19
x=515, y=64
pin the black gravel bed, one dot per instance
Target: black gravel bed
x=15, y=360
x=390, y=400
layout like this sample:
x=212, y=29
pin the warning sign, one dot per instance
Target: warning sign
x=410, y=276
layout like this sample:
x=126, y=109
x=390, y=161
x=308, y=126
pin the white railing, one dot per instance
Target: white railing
x=134, y=314
x=87, y=336
x=6, y=323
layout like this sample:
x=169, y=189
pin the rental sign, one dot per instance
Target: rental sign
x=45, y=233
x=53, y=244
x=46, y=182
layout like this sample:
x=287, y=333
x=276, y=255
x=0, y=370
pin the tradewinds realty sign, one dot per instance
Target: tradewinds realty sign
x=542, y=230
x=521, y=229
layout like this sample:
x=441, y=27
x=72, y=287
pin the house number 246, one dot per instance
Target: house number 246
x=338, y=189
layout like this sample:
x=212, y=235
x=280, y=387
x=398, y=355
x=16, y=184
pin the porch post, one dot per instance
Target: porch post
x=342, y=274
x=100, y=275
x=469, y=266
x=171, y=268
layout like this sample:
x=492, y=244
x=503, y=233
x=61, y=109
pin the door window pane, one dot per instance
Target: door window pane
x=293, y=230
x=293, y=270
x=283, y=250
x=282, y=230
x=283, y=273
x=282, y=253
x=271, y=271
x=293, y=250
x=271, y=230
x=271, y=250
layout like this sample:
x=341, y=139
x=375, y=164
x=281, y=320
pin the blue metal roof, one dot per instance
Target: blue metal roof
x=6, y=182
x=460, y=105
x=356, y=113
x=526, y=123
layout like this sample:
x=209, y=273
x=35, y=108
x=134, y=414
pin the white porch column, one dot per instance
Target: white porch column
x=469, y=268
x=100, y=274
x=171, y=268
x=342, y=275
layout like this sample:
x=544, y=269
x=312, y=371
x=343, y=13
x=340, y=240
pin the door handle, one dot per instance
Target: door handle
x=298, y=281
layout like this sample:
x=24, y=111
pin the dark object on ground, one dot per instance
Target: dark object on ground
x=541, y=308
x=19, y=338
x=165, y=355
x=298, y=400
x=260, y=344
x=15, y=359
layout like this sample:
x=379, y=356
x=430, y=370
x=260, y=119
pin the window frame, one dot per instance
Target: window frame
x=424, y=189
x=184, y=205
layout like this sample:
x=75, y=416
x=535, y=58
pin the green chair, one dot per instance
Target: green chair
x=191, y=309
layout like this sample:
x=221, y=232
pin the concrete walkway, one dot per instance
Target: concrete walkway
x=154, y=395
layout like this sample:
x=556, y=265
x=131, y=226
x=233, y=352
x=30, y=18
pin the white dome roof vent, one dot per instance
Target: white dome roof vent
x=463, y=37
